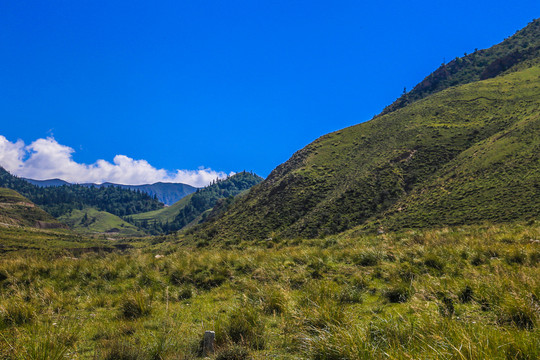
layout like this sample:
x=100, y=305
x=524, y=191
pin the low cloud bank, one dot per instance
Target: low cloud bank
x=47, y=159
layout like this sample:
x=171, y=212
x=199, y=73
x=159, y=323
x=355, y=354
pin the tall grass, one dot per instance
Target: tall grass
x=412, y=294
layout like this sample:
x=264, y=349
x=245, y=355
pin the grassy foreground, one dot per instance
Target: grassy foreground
x=451, y=293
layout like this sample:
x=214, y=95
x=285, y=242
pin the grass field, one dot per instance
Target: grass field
x=450, y=293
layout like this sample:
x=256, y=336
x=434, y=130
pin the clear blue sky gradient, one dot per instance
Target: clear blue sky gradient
x=230, y=85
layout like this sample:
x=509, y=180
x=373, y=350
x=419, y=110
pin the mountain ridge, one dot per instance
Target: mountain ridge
x=483, y=64
x=60, y=200
x=166, y=192
x=356, y=175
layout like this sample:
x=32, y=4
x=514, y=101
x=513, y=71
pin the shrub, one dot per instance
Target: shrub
x=121, y=351
x=446, y=307
x=478, y=259
x=516, y=312
x=234, y=352
x=136, y=306
x=367, y=258
x=16, y=313
x=273, y=301
x=434, y=262
x=407, y=271
x=185, y=293
x=244, y=326
x=397, y=294
x=466, y=295
x=516, y=257
x=351, y=295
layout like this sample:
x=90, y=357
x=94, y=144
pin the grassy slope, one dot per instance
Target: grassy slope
x=450, y=293
x=193, y=209
x=345, y=178
x=24, y=240
x=497, y=179
x=15, y=209
x=99, y=222
x=166, y=214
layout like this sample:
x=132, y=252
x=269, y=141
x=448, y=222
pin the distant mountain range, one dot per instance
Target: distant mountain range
x=61, y=200
x=167, y=193
x=104, y=208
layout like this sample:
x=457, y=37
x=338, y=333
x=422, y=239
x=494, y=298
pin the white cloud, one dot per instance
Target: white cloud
x=11, y=154
x=47, y=159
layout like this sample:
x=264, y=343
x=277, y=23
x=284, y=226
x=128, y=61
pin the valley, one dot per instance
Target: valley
x=415, y=235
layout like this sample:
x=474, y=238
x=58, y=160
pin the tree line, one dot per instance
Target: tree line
x=61, y=200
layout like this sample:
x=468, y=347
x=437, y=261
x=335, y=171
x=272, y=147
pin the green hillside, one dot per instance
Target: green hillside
x=167, y=214
x=92, y=221
x=60, y=200
x=462, y=155
x=521, y=48
x=16, y=210
x=194, y=208
x=497, y=179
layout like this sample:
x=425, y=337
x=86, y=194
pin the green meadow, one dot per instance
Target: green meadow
x=469, y=292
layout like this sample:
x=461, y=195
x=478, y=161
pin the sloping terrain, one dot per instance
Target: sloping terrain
x=497, y=180
x=93, y=221
x=16, y=210
x=194, y=208
x=480, y=136
x=167, y=214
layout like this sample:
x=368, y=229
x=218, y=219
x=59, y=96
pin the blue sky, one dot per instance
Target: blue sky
x=224, y=85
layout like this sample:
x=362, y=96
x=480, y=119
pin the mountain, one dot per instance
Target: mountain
x=47, y=183
x=16, y=210
x=167, y=193
x=195, y=207
x=60, y=200
x=462, y=154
